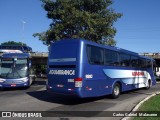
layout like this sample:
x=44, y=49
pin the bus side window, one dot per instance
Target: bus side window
x=142, y=63
x=134, y=61
x=95, y=55
x=111, y=58
x=149, y=63
x=124, y=60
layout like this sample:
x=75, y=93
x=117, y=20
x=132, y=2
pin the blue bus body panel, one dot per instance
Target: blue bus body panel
x=17, y=55
x=63, y=67
x=70, y=61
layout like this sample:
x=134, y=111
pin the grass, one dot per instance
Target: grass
x=146, y=118
x=153, y=104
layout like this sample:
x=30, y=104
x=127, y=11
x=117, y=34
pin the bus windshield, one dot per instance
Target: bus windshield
x=13, y=68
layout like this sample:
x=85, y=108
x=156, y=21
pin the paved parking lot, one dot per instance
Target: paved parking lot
x=36, y=98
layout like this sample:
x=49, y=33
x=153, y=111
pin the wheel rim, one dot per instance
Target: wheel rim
x=116, y=90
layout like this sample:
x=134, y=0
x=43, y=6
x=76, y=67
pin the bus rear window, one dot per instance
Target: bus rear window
x=65, y=51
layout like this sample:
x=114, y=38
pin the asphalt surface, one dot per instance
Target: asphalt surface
x=36, y=98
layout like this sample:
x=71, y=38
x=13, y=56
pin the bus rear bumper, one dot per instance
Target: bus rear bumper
x=2, y=85
x=76, y=92
x=61, y=91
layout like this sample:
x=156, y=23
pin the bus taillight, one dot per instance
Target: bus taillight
x=78, y=79
x=78, y=82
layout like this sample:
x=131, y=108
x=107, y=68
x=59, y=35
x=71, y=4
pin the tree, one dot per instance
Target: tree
x=89, y=19
x=13, y=43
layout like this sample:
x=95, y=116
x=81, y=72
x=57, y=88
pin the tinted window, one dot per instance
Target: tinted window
x=134, y=61
x=148, y=63
x=59, y=51
x=124, y=60
x=111, y=58
x=142, y=63
x=95, y=55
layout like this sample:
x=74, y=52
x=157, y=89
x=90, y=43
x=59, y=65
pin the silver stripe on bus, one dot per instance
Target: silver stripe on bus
x=63, y=60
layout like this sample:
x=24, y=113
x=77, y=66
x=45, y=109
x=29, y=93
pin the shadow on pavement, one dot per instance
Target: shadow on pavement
x=66, y=100
x=39, y=82
x=13, y=88
x=138, y=91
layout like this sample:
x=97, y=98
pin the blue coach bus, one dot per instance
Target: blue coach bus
x=87, y=69
x=15, y=70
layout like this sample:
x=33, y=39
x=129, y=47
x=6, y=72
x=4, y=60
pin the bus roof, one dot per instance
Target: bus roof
x=15, y=55
x=71, y=40
x=22, y=48
x=65, y=41
x=145, y=57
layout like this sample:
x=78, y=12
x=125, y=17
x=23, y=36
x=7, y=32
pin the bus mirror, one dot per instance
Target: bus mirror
x=30, y=63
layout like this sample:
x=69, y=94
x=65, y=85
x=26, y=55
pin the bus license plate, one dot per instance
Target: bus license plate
x=78, y=84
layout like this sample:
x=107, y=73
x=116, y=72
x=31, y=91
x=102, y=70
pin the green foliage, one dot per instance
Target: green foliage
x=40, y=69
x=146, y=118
x=88, y=19
x=13, y=43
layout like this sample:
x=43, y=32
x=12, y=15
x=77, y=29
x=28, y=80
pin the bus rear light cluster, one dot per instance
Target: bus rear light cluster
x=78, y=79
x=78, y=82
x=88, y=88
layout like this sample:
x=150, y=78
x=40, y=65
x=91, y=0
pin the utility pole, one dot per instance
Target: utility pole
x=23, y=23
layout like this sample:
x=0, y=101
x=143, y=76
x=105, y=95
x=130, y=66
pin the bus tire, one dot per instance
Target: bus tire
x=115, y=91
x=148, y=85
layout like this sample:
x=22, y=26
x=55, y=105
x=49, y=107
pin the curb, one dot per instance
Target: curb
x=139, y=104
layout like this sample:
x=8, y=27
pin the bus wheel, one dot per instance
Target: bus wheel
x=148, y=85
x=116, y=91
